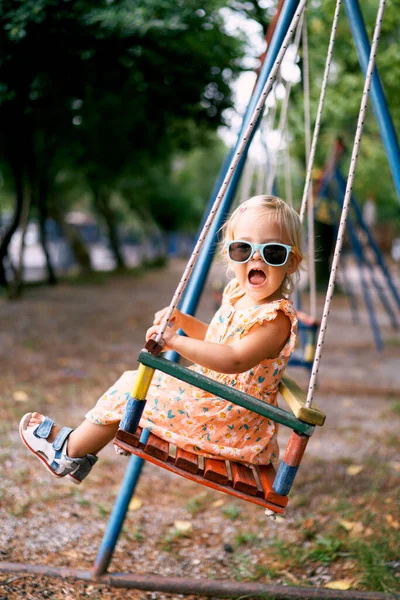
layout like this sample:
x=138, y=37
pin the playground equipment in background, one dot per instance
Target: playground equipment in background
x=370, y=262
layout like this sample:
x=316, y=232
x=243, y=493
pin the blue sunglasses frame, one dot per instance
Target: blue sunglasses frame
x=260, y=248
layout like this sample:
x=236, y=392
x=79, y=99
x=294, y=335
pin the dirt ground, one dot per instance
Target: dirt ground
x=60, y=348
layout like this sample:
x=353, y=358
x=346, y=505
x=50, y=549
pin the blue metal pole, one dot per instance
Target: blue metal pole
x=119, y=511
x=370, y=267
x=371, y=240
x=367, y=298
x=357, y=252
x=196, y=284
x=379, y=102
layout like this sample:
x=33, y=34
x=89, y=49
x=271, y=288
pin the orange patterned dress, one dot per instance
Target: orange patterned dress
x=200, y=422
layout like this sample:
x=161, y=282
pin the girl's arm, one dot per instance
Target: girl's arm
x=193, y=327
x=262, y=341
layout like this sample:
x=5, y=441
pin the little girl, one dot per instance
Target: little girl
x=247, y=345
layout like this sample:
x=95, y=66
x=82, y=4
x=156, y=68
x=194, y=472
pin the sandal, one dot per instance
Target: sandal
x=53, y=455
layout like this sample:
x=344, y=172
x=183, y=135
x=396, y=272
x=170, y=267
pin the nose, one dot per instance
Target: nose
x=257, y=255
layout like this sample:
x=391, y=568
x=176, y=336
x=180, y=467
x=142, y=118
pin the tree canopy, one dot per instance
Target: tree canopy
x=342, y=103
x=101, y=93
x=110, y=104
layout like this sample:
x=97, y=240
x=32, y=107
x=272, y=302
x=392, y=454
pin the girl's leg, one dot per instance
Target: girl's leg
x=90, y=438
x=87, y=438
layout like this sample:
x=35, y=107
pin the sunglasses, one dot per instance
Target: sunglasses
x=274, y=254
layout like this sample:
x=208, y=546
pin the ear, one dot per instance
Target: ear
x=293, y=263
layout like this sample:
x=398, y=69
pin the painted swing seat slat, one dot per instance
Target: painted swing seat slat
x=231, y=478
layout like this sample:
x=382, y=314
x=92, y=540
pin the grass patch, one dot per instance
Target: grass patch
x=172, y=536
x=325, y=550
x=79, y=498
x=299, y=500
x=377, y=560
x=197, y=504
x=391, y=440
x=138, y=535
x=286, y=553
x=395, y=407
x=232, y=511
x=103, y=511
x=245, y=569
x=344, y=508
x=242, y=538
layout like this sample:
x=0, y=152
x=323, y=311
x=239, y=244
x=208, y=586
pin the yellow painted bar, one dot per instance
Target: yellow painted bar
x=309, y=352
x=142, y=382
x=295, y=398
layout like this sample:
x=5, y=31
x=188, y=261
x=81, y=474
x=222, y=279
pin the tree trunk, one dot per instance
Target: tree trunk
x=102, y=204
x=16, y=287
x=19, y=202
x=77, y=245
x=41, y=202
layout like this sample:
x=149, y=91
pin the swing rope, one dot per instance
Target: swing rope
x=283, y=114
x=241, y=149
x=267, y=124
x=307, y=138
x=288, y=168
x=319, y=111
x=347, y=199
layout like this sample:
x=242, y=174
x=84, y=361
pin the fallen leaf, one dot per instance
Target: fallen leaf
x=354, y=469
x=348, y=565
x=395, y=465
x=291, y=577
x=218, y=503
x=20, y=396
x=135, y=503
x=392, y=522
x=346, y=402
x=355, y=527
x=347, y=525
x=340, y=584
x=308, y=523
x=183, y=526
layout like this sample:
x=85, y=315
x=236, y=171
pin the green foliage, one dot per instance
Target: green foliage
x=395, y=407
x=232, y=511
x=343, y=98
x=325, y=550
x=377, y=560
x=243, y=537
x=197, y=504
x=96, y=98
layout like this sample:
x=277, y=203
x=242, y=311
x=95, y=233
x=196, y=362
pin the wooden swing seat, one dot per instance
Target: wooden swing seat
x=252, y=484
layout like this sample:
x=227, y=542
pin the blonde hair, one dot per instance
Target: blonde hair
x=287, y=218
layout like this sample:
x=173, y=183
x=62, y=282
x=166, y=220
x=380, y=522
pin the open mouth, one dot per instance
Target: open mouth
x=256, y=277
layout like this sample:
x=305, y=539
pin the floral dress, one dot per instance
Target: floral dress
x=198, y=421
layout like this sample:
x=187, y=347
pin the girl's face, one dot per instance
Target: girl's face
x=261, y=282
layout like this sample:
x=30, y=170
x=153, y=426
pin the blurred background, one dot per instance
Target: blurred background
x=116, y=117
